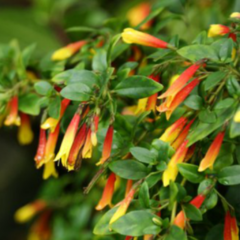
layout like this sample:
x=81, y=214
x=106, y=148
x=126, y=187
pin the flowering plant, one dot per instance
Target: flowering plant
x=157, y=121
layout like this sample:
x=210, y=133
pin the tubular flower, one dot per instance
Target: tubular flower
x=190, y=153
x=49, y=167
x=107, y=193
x=217, y=30
x=40, y=155
x=152, y=100
x=231, y=231
x=128, y=186
x=52, y=122
x=67, y=51
x=180, y=82
x=237, y=116
x=141, y=106
x=128, y=238
x=25, y=133
x=173, y=79
x=180, y=219
x=123, y=206
x=68, y=140
x=12, y=118
x=76, y=147
x=170, y=174
x=87, y=148
x=235, y=15
x=173, y=131
x=28, y=211
x=107, y=145
x=137, y=14
x=94, y=128
x=178, y=98
x=130, y=36
x=212, y=153
x=182, y=136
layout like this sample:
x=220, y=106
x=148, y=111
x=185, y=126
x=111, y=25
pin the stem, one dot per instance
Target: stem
x=173, y=215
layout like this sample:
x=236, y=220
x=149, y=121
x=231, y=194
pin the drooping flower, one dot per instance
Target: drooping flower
x=67, y=51
x=173, y=131
x=28, y=211
x=25, y=133
x=170, y=174
x=77, y=145
x=235, y=15
x=94, y=129
x=180, y=220
x=87, y=148
x=123, y=206
x=182, y=136
x=212, y=153
x=107, y=145
x=52, y=122
x=108, y=191
x=40, y=155
x=180, y=82
x=130, y=36
x=12, y=117
x=138, y=13
x=231, y=231
x=217, y=30
x=68, y=139
x=49, y=166
x=177, y=99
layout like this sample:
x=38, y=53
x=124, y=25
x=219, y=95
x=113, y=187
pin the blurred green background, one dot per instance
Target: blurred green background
x=44, y=22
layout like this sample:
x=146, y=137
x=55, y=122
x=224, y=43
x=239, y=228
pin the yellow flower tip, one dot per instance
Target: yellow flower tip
x=24, y=214
x=49, y=170
x=173, y=79
x=62, y=54
x=217, y=30
x=12, y=121
x=50, y=123
x=94, y=138
x=235, y=15
x=128, y=35
x=237, y=117
x=25, y=135
x=141, y=106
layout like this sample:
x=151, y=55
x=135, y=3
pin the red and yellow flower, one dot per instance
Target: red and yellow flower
x=212, y=153
x=130, y=36
x=235, y=15
x=40, y=155
x=107, y=193
x=25, y=133
x=170, y=174
x=218, y=30
x=12, y=117
x=67, y=51
x=94, y=129
x=88, y=146
x=180, y=220
x=231, y=231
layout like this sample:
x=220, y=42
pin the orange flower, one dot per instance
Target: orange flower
x=130, y=36
x=76, y=147
x=67, y=51
x=107, y=193
x=68, y=139
x=177, y=99
x=87, y=149
x=180, y=219
x=190, y=153
x=217, y=30
x=231, y=231
x=128, y=186
x=107, y=146
x=52, y=122
x=25, y=133
x=170, y=174
x=212, y=153
x=12, y=118
x=173, y=131
x=94, y=128
x=182, y=136
x=138, y=13
x=123, y=206
x=40, y=155
x=180, y=82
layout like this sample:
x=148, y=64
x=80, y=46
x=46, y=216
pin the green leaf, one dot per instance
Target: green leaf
x=43, y=88
x=210, y=201
x=27, y=53
x=29, y=103
x=198, y=52
x=190, y=172
x=143, y=155
x=136, y=223
x=215, y=232
x=204, y=185
x=54, y=107
x=143, y=195
x=175, y=233
x=192, y=212
x=194, y=102
x=173, y=194
x=207, y=116
x=233, y=87
x=163, y=149
x=224, y=48
x=227, y=102
x=102, y=227
x=234, y=128
x=129, y=169
x=213, y=79
x=81, y=29
x=112, y=44
x=76, y=76
x=99, y=62
x=76, y=92
x=229, y=175
x=137, y=87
